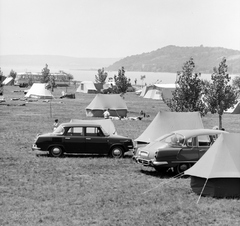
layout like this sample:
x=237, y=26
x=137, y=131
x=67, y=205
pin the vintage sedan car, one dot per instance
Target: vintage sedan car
x=82, y=138
x=178, y=150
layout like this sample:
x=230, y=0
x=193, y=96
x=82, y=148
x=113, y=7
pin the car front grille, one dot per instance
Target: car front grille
x=144, y=162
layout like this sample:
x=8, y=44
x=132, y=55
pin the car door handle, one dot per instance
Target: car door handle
x=67, y=138
x=88, y=138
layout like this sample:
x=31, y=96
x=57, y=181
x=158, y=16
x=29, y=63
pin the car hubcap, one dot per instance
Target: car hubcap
x=116, y=152
x=56, y=151
x=183, y=167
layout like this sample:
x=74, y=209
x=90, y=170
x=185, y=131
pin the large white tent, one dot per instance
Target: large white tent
x=39, y=90
x=101, y=102
x=166, y=122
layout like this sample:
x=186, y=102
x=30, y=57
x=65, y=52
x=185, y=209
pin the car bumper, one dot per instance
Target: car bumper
x=36, y=148
x=149, y=162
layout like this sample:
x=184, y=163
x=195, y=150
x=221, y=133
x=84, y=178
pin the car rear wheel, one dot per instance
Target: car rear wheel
x=116, y=152
x=56, y=151
x=160, y=169
x=182, y=167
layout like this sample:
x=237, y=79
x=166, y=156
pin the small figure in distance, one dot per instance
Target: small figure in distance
x=143, y=113
x=55, y=124
x=106, y=114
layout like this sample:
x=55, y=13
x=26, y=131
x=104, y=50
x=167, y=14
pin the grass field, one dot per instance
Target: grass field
x=89, y=190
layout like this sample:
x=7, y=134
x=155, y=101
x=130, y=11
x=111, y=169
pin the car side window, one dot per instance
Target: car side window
x=92, y=131
x=192, y=142
x=75, y=131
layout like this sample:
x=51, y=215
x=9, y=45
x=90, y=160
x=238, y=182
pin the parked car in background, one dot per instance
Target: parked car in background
x=178, y=150
x=82, y=138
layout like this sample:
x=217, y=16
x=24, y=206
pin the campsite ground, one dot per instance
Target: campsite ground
x=39, y=190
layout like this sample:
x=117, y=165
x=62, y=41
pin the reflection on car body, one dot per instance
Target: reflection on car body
x=83, y=138
x=178, y=150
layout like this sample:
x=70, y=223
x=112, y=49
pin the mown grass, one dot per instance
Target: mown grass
x=90, y=190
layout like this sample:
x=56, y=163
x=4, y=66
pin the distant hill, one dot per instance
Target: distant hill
x=37, y=62
x=171, y=59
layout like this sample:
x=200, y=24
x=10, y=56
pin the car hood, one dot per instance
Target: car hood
x=49, y=134
x=151, y=149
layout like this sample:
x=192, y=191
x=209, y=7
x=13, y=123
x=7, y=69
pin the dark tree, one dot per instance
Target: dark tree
x=220, y=95
x=45, y=74
x=101, y=76
x=121, y=81
x=13, y=74
x=236, y=84
x=189, y=91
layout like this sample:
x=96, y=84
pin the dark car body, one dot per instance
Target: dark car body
x=178, y=150
x=82, y=138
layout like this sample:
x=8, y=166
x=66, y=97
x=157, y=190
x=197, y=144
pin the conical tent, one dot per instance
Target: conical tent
x=235, y=109
x=106, y=124
x=7, y=81
x=144, y=90
x=38, y=90
x=166, y=122
x=217, y=173
x=101, y=102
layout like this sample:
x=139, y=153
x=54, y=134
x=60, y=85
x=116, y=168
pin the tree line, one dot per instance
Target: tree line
x=194, y=94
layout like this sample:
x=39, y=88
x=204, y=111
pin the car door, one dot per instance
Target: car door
x=189, y=151
x=74, y=140
x=96, y=141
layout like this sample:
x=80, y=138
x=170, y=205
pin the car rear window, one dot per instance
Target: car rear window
x=75, y=131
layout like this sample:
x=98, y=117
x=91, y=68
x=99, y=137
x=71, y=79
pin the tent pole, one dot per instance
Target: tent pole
x=50, y=109
x=202, y=190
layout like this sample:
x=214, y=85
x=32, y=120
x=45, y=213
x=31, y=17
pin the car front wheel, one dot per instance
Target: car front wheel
x=116, y=152
x=56, y=151
x=180, y=168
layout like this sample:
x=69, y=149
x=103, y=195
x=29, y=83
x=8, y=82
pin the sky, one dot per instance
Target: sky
x=115, y=28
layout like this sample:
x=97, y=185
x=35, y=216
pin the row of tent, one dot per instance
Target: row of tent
x=114, y=102
x=102, y=102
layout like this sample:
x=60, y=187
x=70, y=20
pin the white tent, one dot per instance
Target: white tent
x=86, y=87
x=166, y=122
x=7, y=80
x=166, y=90
x=159, y=91
x=38, y=90
x=144, y=90
x=235, y=109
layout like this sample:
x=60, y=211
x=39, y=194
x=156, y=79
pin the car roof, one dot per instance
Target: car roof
x=71, y=124
x=199, y=132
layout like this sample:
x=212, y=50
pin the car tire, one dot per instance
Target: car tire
x=180, y=168
x=56, y=151
x=116, y=152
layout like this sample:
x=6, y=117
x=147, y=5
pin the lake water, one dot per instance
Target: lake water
x=150, y=77
x=89, y=75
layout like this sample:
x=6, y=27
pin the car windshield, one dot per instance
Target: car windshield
x=59, y=130
x=104, y=132
x=174, y=139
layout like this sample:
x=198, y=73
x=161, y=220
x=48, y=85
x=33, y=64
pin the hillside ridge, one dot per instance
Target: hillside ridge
x=171, y=59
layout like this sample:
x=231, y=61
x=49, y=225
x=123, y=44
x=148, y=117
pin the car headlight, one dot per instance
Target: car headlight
x=135, y=144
